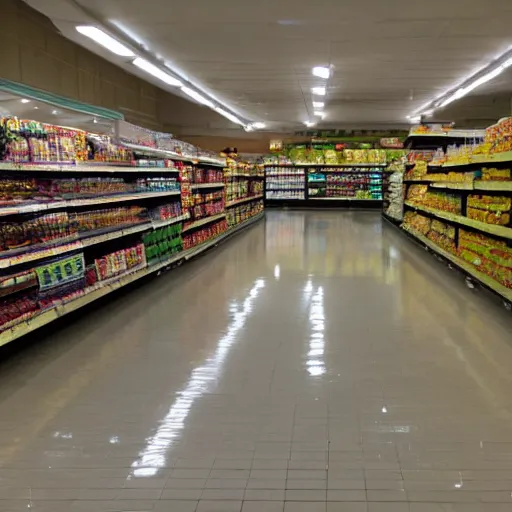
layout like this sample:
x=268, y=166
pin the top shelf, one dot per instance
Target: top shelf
x=504, y=157
x=171, y=155
x=82, y=168
x=326, y=165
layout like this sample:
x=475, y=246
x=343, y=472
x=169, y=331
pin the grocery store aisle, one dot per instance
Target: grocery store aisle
x=318, y=362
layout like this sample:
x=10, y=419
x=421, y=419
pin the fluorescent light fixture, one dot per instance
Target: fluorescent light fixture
x=319, y=91
x=423, y=107
x=258, y=126
x=24, y=100
x=98, y=36
x=322, y=72
x=318, y=104
x=156, y=72
x=480, y=81
x=228, y=115
x=309, y=124
x=248, y=128
x=196, y=96
x=319, y=113
x=414, y=119
x=427, y=112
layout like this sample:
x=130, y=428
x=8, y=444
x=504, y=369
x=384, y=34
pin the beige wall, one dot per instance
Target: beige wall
x=35, y=54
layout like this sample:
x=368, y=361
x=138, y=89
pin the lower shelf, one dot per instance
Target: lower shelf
x=483, y=279
x=331, y=202
x=50, y=315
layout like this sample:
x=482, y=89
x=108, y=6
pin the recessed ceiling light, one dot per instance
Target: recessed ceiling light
x=103, y=39
x=319, y=91
x=24, y=100
x=36, y=108
x=319, y=113
x=318, y=104
x=258, y=125
x=322, y=72
x=309, y=124
x=55, y=112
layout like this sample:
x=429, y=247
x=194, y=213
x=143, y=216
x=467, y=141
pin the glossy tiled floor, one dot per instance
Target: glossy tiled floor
x=319, y=362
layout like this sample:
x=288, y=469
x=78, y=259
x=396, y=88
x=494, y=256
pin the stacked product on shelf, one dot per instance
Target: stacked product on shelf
x=82, y=214
x=327, y=172
x=284, y=182
x=243, y=190
x=459, y=205
x=393, y=189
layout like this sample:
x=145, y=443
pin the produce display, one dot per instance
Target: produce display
x=336, y=154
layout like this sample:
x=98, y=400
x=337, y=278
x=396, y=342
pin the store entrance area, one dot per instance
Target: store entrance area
x=318, y=362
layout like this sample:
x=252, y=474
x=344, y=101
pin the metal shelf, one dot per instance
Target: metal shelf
x=83, y=240
x=218, y=184
x=206, y=220
x=243, y=200
x=487, y=281
x=83, y=168
x=119, y=198
x=492, y=229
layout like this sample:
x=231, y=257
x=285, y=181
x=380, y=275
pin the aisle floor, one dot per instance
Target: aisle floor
x=318, y=362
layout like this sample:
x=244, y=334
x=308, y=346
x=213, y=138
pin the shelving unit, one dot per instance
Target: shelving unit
x=76, y=231
x=343, y=185
x=461, y=213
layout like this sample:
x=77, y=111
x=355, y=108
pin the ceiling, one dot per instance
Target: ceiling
x=388, y=57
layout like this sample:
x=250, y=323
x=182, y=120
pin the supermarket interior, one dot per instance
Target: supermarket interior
x=266, y=268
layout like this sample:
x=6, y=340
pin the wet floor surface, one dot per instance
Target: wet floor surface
x=319, y=362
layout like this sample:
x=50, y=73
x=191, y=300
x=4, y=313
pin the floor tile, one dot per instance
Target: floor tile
x=296, y=506
x=320, y=355
x=175, y=506
x=219, y=506
x=305, y=495
x=263, y=506
x=264, y=494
